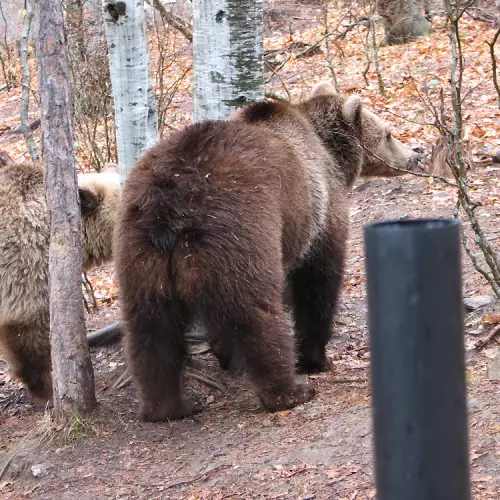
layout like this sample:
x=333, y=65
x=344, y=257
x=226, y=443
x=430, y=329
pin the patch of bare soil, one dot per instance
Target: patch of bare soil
x=233, y=449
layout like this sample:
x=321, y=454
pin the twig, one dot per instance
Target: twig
x=416, y=174
x=200, y=377
x=366, y=45
x=491, y=335
x=126, y=377
x=455, y=151
x=173, y=20
x=327, y=46
x=342, y=380
x=318, y=42
x=381, y=86
x=25, y=82
x=185, y=482
x=494, y=63
x=477, y=266
x=89, y=289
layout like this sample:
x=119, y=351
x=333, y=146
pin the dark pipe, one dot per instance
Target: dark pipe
x=415, y=317
x=105, y=336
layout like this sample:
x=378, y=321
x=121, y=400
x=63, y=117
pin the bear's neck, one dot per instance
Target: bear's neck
x=338, y=138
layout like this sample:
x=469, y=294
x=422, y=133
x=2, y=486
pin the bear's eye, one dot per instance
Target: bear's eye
x=388, y=136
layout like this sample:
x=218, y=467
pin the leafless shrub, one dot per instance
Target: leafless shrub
x=91, y=86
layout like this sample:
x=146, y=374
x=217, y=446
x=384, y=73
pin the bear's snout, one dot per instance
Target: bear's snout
x=415, y=162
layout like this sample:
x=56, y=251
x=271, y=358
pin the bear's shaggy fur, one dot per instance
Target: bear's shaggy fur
x=219, y=218
x=24, y=246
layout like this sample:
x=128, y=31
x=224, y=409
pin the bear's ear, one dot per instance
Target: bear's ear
x=351, y=110
x=88, y=201
x=323, y=88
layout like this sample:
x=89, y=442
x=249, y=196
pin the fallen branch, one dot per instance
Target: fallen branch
x=342, y=380
x=203, y=476
x=486, y=340
x=126, y=377
x=19, y=130
x=204, y=379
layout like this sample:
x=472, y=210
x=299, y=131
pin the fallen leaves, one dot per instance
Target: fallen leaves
x=492, y=318
x=340, y=473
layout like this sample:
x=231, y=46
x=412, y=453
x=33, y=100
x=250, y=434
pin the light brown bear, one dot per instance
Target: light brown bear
x=219, y=218
x=24, y=246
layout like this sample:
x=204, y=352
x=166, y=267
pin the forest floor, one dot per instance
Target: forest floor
x=234, y=449
x=320, y=450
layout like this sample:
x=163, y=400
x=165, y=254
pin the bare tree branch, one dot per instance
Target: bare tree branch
x=173, y=20
x=494, y=63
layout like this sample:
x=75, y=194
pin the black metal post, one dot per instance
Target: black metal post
x=415, y=314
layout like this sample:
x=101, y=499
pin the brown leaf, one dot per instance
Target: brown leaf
x=492, y=318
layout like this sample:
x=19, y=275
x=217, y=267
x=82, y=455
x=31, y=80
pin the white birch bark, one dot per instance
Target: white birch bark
x=136, y=119
x=227, y=56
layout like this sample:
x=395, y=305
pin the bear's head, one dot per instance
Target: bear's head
x=99, y=199
x=383, y=154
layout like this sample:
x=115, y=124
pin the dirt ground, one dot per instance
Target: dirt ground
x=233, y=449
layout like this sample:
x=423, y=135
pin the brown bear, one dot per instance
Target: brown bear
x=219, y=218
x=24, y=246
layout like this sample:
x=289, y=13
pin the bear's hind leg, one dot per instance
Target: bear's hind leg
x=156, y=352
x=315, y=290
x=27, y=351
x=263, y=345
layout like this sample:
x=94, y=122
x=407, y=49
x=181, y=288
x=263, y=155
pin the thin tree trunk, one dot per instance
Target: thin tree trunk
x=72, y=372
x=404, y=20
x=136, y=118
x=9, y=77
x=173, y=20
x=25, y=82
x=227, y=56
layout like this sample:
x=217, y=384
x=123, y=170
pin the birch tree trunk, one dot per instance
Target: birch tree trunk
x=72, y=373
x=25, y=82
x=227, y=56
x=404, y=20
x=136, y=119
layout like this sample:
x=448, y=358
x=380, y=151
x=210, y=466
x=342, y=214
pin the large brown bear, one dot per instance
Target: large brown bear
x=24, y=246
x=219, y=218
